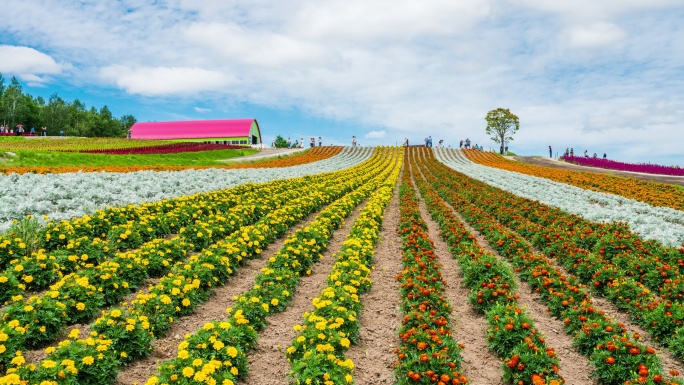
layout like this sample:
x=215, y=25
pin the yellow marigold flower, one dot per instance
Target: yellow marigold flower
x=186, y=302
x=348, y=378
x=88, y=360
x=344, y=342
x=227, y=382
x=188, y=372
x=197, y=362
x=208, y=326
x=28, y=308
x=234, y=371
x=232, y=352
x=116, y=313
x=274, y=302
x=48, y=364
x=80, y=306
x=74, y=333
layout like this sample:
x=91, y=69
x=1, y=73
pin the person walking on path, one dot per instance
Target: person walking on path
x=460, y=144
x=467, y=143
x=320, y=141
x=44, y=130
x=550, y=152
x=353, y=141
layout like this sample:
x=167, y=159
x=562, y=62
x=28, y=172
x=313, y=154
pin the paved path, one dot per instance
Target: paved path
x=547, y=162
x=265, y=153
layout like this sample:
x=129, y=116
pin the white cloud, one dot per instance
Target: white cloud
x=595, y=35
x=202, y=110
x=154, y=81
x=27, y=63
x=585, y=72
x=376, y=134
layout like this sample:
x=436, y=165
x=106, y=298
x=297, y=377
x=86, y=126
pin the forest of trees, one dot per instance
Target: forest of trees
x=57, y=114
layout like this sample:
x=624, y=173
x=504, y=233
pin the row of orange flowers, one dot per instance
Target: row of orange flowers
x=657, y=194
x=618, y=357
x=313, y=155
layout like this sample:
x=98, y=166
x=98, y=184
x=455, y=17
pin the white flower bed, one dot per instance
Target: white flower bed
x=68, y=195
x=660, y=223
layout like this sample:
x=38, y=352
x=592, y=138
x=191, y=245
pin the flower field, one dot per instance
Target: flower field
x=615, y=165
x=560, y=284
x=313, y=155
x=656, y=194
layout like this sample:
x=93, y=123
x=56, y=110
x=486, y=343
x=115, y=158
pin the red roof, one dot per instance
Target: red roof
x=193, y=129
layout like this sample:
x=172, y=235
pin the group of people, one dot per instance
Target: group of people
x=467, y=145
x=20, y=131
x=300, y=143
x=571, y=152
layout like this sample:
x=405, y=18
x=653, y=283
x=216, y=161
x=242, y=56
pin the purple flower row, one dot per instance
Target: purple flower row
x=614, y=165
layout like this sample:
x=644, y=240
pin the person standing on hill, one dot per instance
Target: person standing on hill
x=353, y=141
x=460, y=144
x=320, y=141
x=550, y=152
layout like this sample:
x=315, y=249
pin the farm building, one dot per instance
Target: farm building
x=231, y=131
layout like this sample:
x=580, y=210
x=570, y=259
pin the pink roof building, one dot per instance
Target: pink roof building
x=233, y=131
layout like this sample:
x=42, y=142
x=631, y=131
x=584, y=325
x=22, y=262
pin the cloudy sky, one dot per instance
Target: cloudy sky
x=601, y=75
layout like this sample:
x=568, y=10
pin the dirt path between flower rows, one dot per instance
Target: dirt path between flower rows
x=214, y=309
x=267, y=362
x=381, y=314
x=541, y=161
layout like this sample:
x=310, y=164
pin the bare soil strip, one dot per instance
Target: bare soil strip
x=380, y=318
x=480, y=365
x=267, y=362
x=214, y=309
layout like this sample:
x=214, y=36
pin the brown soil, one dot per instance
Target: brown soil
x=214, y=309
x=546, y=162
x=267, y=362
x=381, y=315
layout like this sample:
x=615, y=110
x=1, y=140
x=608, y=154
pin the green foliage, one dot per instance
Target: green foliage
x=51, y=158
x=280, y=142
x=501, y=125
x=58, y=115
x=29, y=230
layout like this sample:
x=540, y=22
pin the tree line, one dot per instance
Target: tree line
x=57, y=114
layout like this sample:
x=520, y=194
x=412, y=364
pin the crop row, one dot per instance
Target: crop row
x=511, y=333
x=130, y=330
x=663, y=224
x=428, y=352
x=617, y=357
x=199, y=358
x=657, y=194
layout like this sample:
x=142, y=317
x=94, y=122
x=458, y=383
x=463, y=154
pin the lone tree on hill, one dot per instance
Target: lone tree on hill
x=501, y=125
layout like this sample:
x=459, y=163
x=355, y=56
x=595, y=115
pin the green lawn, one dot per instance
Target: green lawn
x=46, y=159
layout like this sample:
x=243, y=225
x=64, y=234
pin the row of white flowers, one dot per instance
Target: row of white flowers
x=68, y=195
x=660, y=223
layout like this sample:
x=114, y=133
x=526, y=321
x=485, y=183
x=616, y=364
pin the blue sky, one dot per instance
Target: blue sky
x=601, y=75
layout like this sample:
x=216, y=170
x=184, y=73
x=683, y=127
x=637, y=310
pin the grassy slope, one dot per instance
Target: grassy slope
x=44, y=158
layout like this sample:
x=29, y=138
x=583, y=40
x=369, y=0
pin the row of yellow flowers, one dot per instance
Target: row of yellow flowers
x=76, y=244
x=327, y=331
x=130, y=330
x=77, y=297
x=657, y=194
x=216, y=354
